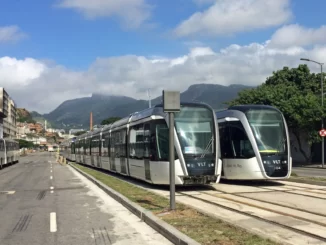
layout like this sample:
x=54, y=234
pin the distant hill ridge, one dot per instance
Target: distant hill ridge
x=75, y=113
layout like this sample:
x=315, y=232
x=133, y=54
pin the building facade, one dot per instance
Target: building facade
x=8, y=116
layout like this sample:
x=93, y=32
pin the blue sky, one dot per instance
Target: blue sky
x=73, y=41
x=67, y=37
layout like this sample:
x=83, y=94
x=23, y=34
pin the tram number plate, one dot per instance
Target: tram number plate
x=201, y=164
x=277, y=167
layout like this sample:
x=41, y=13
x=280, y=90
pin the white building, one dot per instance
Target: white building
x=8, y=115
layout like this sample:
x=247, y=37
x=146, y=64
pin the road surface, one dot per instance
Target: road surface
x=42, y=202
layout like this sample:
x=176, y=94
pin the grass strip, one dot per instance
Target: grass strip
x=203, y=229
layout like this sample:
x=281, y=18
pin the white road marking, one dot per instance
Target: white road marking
x=51, y=187
x=51, y=177
x=51, y=170
x=53, y=222
x=8, y=192
x=51, y=192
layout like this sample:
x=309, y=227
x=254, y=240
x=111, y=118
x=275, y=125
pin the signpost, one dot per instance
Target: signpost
x=171, y=104
x=322, y=133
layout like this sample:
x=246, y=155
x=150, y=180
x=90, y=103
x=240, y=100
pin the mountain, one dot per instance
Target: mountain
x=24, y=115
x=75, y=113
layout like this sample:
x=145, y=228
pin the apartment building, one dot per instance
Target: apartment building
x=8, y=115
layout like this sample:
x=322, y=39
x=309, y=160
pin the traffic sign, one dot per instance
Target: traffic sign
x=322, y=132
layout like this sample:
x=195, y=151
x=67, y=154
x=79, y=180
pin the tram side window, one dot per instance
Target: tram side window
x=80, y=147
x=114, y=141
x=87, y=146
x=97, y=145
x=122, y=142
x=77, y=147
x=162, y=141
x=225, y=143
x=118, y=143
x=94, y=145
x=147, y=140
x=106, y=144
x=84, y=145
x=72, y=148
x=239, y=142
x=105, y=139
x=161, y=137
x=114, y=148
x=136, y=142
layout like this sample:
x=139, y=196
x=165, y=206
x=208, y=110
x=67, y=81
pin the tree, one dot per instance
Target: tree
x=110, y=120
x=297, y=94
x=25, y=144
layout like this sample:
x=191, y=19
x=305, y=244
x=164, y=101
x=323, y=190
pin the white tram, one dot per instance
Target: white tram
x=254, y=142
x=138, y=146
x=67, y=149
x=9, y=152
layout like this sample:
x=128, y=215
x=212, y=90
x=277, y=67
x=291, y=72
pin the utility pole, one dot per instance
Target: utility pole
x=91, y=121
x=149, y=99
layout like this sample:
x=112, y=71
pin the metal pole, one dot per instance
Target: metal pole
x=149, y=99
x=322, y=106
x=171, y=157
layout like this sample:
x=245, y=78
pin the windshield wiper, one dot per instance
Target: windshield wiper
x=279, y=146
x=207, y=147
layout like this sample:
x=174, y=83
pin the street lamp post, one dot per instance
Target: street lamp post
x=322, y=103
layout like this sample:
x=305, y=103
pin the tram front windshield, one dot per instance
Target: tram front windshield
x=195, y=130
x=269, y=131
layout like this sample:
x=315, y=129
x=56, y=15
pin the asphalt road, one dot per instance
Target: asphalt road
x=44, y=203
x=310, y=172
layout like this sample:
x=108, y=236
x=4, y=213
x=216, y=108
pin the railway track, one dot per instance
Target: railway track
x=308, y=223
x=320, y=227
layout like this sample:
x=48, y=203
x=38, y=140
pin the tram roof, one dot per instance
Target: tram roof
x=156, y=110
x=233, y=111
x=245, y=108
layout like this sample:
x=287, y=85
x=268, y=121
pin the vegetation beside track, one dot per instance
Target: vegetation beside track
x=202, y=228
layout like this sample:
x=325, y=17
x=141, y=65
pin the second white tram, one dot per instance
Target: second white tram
x=9, y=152
x=138, y=146
x=254, y=143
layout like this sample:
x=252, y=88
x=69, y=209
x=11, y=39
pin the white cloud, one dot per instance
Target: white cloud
x=132, y=13
x=42, y=86
x=295, y=34
x=15, y=72
x=11, y=34
x=227, y=17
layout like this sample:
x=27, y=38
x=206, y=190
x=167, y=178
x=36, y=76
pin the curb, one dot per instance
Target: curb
x=150, y=219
